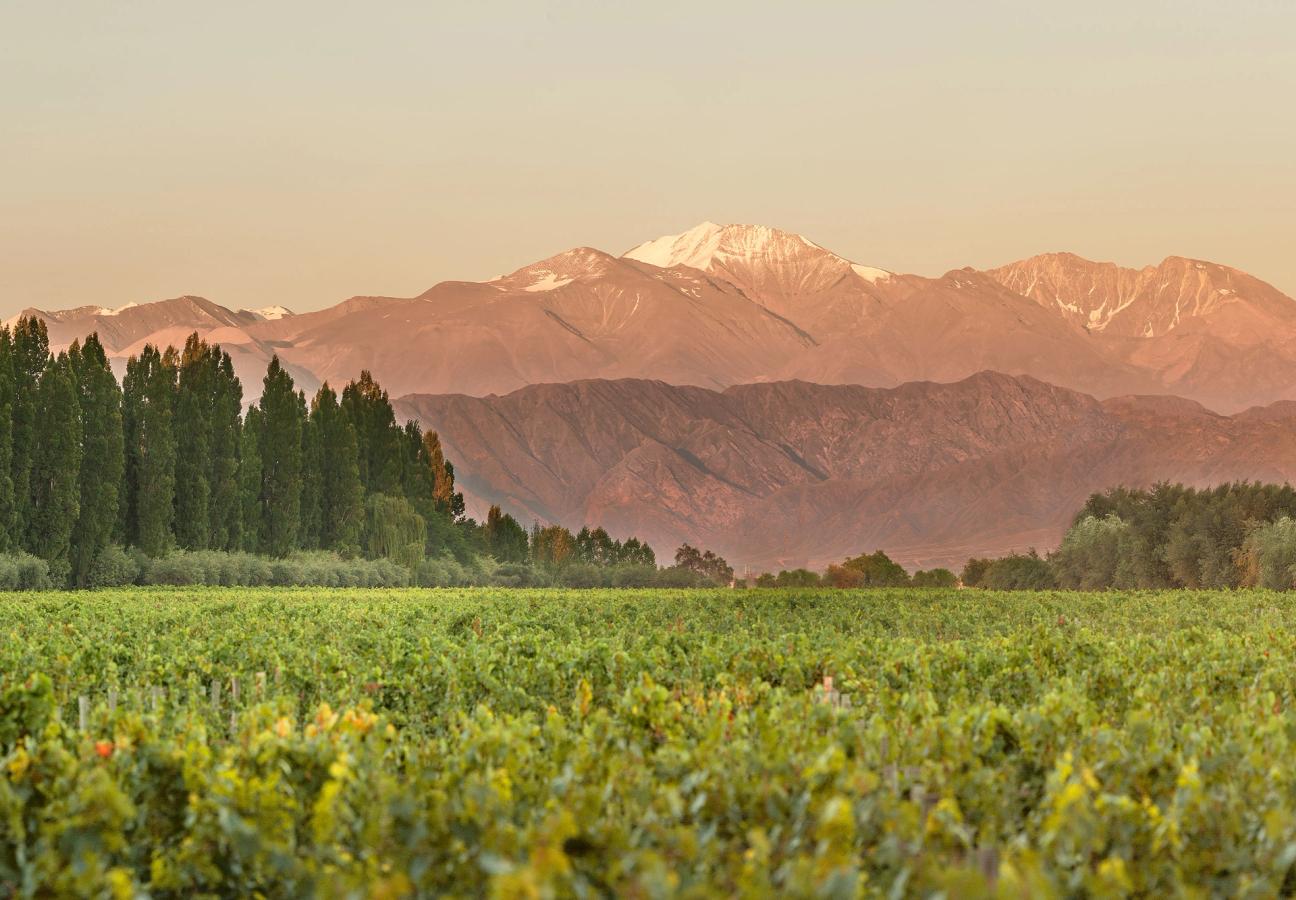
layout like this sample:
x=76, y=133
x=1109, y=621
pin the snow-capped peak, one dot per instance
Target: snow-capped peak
x=709, y=245
x=270, y=313
x=695, y=247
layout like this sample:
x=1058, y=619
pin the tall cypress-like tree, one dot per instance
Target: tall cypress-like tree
x=56, y=468
x=281, y=462
x=7, y=504
x=308, y=534
x=417, y=478
x=249, y=482
x=148, y=400
x=30, y=356
x=370, y=413
x=341, y=495
x=226, y=431
x=443, y=480
x=194, y=408
x=102, y=456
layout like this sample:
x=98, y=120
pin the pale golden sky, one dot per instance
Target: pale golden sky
x=303, y=152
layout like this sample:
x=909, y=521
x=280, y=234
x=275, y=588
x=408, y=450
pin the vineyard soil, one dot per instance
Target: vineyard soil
x=646, y=743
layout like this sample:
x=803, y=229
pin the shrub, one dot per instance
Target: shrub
x=113, y=567
x=1090, y=556
x=1020, y=572
x=680, y=577
x=440, y=571
x=312, y=569
x=518, y=575
x=632, y=576
x=974, y=572
x=580, y=575
x=24, y=572
x=1268, y=557
x=934, y=578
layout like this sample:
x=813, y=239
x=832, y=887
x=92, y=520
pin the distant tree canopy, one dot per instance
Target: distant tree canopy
x=1174, y=536
x=1168, y=536
x=866, y=570
x=704, y=563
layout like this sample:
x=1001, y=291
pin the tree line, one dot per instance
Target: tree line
x=1234, y=535
x=168, y=465
x=864, y=571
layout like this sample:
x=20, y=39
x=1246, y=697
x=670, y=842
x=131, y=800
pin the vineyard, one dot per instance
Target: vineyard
x=399, y=743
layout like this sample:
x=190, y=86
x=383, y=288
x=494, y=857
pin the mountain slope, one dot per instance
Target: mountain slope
x=792, y=473
x=125, y=331
x=1192, y=327
x=579, y=314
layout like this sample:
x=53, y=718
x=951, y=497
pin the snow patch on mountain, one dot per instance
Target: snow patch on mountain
x=870, y=273
x=105, y=311
x=270, y=313
x=548, y=281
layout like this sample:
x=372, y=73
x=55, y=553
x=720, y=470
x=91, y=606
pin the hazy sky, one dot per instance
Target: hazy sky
x=301, y=153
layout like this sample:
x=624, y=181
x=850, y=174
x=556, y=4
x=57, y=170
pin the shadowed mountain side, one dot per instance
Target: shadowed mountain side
x=791, y=473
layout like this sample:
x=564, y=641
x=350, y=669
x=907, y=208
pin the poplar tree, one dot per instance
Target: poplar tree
x=443, y=487
x=30, y=356
x=7, y=505
x=249, y=482
x=281, y=462
x=102, y=455
x=370, y=413
x=56, y=467
x=312, y=480
x=148, y=399
x=341, y=494
x=226, y=432
x=506, y=540
x=192, y=422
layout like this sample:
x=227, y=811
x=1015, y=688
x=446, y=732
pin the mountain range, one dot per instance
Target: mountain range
x=744, y=388
x=718, y=306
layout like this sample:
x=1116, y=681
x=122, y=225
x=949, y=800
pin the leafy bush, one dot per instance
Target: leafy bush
x=974, y=572
x=580, y=575
x=868, y=570
x=632, y=576
x=114, y=567
x=441, y=571
x=1090, y=557
x=1268, y=557
x=934, y=578
x=24, y=572
x=309, y=569
x=1020, y=572
x=517, y=575
x=680, y=577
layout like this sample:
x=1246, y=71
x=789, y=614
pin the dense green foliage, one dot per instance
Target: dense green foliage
x=1170, y=536
x=92, y=474
x=866, y=570
x=647, y=744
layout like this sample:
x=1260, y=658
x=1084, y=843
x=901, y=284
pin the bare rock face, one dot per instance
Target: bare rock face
x=792, y=473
